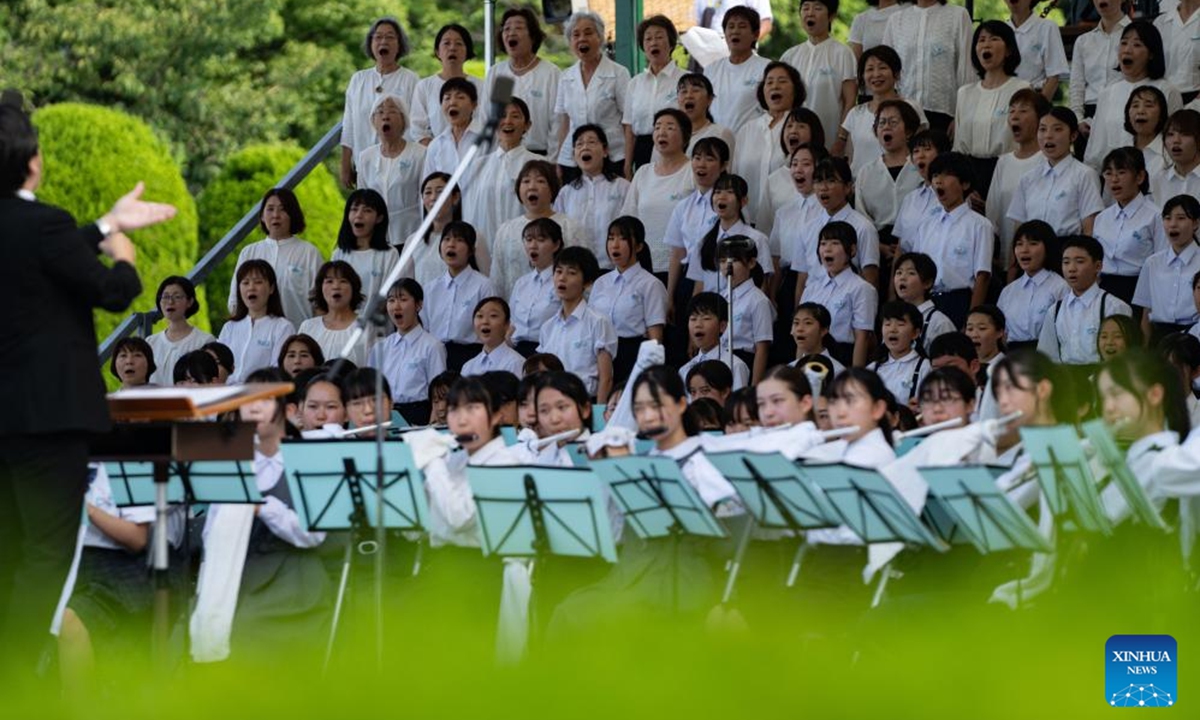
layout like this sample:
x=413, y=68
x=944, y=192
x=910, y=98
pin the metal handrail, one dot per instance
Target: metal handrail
x=144, y=321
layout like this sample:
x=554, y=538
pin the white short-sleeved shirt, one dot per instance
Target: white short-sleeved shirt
x=427, y=264
x=866, y=255
x=332, y=342
x=427, y=119
x=100, y=495
x=691, y=219
x=295, y=263
x=577, y=340
x=1181, y=45
x=593, y=203
x=502, y=358
x=1108, y=125
x=444, y=153
x=851, y=301
x=981, y=118
x=533, y=302
x=1069, y=333
x=652, y=198
x=255, y=343
x=1167, y=183
x=1005, y=179
x=713, y=130
x=902, y=375
x=1129, y=235
x=761, y=155
x=1153, y=155
x=1062, y=195
x=867, y=27
x=1042, y=53
x=824, y=67
x=935, y=323
x=1094, y=65
x=960, y=243
x=735, y=90
x=741, y=372
x=409, y=361
x=860, y=125
x=648, y=93
x=167, y=353
x=1165, y=285
x=752, y=319
x=916, y=207
x=1026, y=300
x=449, y=308
x=492, y=198
x=507, y=249
x=601, y=102
x=790, y=221
x=713, y=281
x=934, y=45
x=398, y=180
x=781, y=191
x=538, y=87
x=878, y=195
x=365, y=87
x=372, y=266
x=633, y=300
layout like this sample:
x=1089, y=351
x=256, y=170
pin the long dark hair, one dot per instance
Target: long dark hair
x=472, y=389
x=1137, y=369
x=631, y=230
x=263, y=268
x=1035, y=366
x=570, y=385
x=664, y=380
x=375, y=201
x=456, y=207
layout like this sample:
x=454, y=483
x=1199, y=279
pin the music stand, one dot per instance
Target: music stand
x=534, y=512
x=1065, y=477
x=981, y=512
x=777, y=498
x=867, y=503
x=658, y=502
x=1135, y=495
x=332, y=483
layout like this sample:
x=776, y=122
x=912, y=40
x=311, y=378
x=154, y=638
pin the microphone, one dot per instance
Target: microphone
x=502, y=92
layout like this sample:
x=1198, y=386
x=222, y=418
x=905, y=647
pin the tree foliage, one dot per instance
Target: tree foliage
x=117, y=151
x=241, y=182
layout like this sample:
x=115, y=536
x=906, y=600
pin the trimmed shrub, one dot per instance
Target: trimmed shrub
x=94, y=155
x=243, y=179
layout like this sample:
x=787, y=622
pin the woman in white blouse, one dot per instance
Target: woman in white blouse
x=658, y=188
x=591, y=91
x=933, y=39
x=878, y=75
x=981, y=116
x=386, y=43
x=534, y=80
x=652, y=89
x=392, y=168
x=759, y=149
x=452, y=47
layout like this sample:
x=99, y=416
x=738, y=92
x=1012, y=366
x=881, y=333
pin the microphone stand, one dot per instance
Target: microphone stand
x=373, y=315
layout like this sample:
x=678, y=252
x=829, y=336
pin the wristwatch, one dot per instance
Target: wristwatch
x=104, y=227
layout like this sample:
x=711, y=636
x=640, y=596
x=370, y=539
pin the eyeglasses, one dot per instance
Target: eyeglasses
x=889, y=122
x=172, y=297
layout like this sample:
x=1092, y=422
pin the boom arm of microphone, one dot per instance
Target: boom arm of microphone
x=502, y=90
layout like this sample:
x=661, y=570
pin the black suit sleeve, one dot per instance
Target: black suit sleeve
x=67, y=254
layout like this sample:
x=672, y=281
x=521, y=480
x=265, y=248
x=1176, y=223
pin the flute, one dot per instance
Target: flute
x=366, y=428
x=929, y=429
x=546, y=442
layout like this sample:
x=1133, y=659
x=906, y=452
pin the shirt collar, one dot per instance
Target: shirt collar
x=1153, y=442
x=956, y=214
x=907, y=357
x=577, y=313
x=408, y=337
x=489, y=451
x=1038, y=278
x=1132, y=207
x=1088, y=296
x=544, y=275
x=1185, y=257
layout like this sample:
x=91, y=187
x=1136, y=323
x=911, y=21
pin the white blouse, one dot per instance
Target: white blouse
x=648, y=93
x=981, y=119
x=601, y=101
x=735, y=90
x=538, y=87
x=332, y=342
x=427, y=120
x=651, y=199
x=167, y=353
x=934, y=44
x=824, y=67
x=255, y=343
x=372, y=267
x=365, y=87
x=398, y=180
x=492, y=198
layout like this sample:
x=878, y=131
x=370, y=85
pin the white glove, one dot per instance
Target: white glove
x=610, y=437
x=428, y=445
x=650, y=353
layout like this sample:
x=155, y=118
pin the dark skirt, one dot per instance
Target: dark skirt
x=526, y=347
x=285, y=606
x=457, y=354
x=1158, y=331
x=747, y=356
x=984, y=168
x=113, y=591
x=939, y=121
x=454, y=601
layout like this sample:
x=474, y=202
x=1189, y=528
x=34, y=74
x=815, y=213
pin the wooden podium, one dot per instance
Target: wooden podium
x=165, y=426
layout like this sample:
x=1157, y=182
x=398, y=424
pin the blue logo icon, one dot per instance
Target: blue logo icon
x=1140, y=671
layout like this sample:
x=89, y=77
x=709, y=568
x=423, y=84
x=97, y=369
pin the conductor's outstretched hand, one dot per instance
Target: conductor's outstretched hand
x=132, y=213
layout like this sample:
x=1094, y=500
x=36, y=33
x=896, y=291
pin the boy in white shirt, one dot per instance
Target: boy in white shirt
x=833, y=184
x=913, y=282
x=1182, y=174
x=903, y=366
x=920, y=204
x=851, y=300
x=708, y=318
x=583, y=339
x=1069, y=332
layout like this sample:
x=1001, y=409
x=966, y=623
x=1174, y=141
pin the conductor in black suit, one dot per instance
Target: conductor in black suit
x=50, y=383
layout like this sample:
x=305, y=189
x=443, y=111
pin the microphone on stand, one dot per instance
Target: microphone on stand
x=502, y=93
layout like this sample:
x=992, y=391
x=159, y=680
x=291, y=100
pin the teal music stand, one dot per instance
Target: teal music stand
x=132, y=483
x=1135, y=495
x=980, y=511
x=777, y=497
x=1065, y=477
x=867, y=503
x=221, y=481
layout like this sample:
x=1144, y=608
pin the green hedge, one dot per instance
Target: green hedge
x=93, y=155
x=243, y=179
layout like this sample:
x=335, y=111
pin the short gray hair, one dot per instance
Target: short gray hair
x=576, y=18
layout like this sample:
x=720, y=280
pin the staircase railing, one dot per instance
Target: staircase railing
x=143, y=322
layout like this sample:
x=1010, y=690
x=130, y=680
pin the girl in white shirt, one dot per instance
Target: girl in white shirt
x=393, y=168
x=426, y=263
x=1145, y=120
x=177, y=302
x=694, y=96
x=1043, y=60
x=362, y=240
x=760, y=151
x=628, y=295
x=337, y=294
x=257, y=328
x=981, y=114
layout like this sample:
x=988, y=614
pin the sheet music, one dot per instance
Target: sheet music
x=199, y=396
